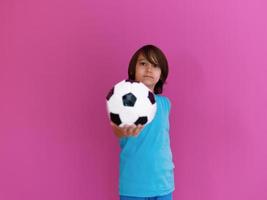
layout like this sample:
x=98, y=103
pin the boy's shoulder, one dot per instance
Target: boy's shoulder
x=165, y=100
x=162, y=97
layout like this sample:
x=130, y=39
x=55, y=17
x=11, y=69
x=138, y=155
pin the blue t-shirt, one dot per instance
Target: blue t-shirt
x=146, y=166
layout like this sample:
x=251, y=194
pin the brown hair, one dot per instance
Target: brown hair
x=155, y=56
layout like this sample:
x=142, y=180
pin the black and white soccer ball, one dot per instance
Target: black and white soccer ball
x=130, y=102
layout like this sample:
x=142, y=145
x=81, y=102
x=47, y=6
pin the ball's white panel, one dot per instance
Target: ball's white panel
x=122, y=88
x=142, y=106
x=128, y=116
x=139, y=90
x=114, y=104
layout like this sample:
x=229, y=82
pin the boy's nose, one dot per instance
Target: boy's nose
x=149, y=67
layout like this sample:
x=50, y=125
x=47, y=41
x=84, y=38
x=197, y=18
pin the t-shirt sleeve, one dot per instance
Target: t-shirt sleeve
x=167, y=104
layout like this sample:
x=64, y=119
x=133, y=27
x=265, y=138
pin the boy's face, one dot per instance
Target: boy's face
x=146, y=72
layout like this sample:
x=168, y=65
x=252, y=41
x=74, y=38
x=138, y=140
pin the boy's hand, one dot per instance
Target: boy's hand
x=126, y=130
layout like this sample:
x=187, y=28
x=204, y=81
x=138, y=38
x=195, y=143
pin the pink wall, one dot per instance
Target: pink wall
x=59, y=58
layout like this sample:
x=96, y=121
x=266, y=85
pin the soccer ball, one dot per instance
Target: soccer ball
x=130, y=102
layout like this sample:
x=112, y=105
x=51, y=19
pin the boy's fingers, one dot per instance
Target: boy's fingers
x=131, y=129
x=137, y=129
x=124, y=131
x=128, y=130
x=140, y=127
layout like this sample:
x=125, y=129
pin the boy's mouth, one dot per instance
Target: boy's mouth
x=147, y=76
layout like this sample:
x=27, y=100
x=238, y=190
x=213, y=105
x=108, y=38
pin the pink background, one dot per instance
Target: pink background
x=59, y=58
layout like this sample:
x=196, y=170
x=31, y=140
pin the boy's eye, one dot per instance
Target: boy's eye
x=146, y=63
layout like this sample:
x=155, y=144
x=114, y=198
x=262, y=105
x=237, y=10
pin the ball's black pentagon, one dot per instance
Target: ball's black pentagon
x=151, y=97
x=115, y=118
x=141, y=120
x=110, y=93
x=129, y=99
